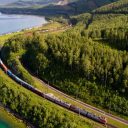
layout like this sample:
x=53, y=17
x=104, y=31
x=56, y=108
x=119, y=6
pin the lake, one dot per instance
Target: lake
x=4, y=124
x=13, y=23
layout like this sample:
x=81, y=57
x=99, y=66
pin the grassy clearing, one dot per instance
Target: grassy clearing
x=48, y=26
x=3, y=38
x=52, y=25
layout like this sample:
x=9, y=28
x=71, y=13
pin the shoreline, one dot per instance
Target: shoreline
x=17, y=116
x=9, y=33
x=26, y=28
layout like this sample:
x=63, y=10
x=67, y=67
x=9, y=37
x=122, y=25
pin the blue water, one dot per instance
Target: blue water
x=4, y=124
x=13, y=23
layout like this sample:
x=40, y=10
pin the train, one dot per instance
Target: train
x=52, y=98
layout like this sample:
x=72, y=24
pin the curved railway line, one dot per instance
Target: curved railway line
x=64, y=104
x=84, y=104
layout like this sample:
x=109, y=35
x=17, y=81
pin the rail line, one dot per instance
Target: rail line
x=84, y=104
x=54, y=99
x=65, y=105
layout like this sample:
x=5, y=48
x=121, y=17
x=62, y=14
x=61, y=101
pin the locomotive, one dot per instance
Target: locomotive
x=54, y=99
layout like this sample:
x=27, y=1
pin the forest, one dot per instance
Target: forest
x=92, y=67
x=52, y=8
x=121, y=6
x=88, y=62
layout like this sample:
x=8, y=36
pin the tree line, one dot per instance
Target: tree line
x=79, y=66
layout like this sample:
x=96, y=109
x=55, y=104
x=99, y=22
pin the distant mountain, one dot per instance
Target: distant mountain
x=26, y=3
x=83, y=4
x=50, y=7
x=120, y=6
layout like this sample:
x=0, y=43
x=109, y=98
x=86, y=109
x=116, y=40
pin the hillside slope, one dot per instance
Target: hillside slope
x=71, y=7
x=117, y=7
x=89, y=62
x=31, y=3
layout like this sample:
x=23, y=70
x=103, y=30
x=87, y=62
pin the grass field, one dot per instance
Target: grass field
x=3, y=38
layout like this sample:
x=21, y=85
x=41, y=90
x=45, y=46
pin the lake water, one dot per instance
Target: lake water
x=13, y=23
x=4, y=124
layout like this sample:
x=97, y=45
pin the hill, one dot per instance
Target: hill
x=117, y=7
x=89, y=62
x=31, y=3
x=70, y=7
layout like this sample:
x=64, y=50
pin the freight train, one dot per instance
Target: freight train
x=54, y=99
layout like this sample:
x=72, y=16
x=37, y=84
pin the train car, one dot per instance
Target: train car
x=97, y=118
x=9, y=73
x=65, y=104
x=1, y=61
x=38, y=92
x=74, y=108
x=83, y=112
x=28, y=86
x=88, y=115
x=13, y=76
x=62, y=103
x=3, y=66
x=18, y=80
x=103, y=120
x=49, y=97
x=56, y=100
x=23, y=83
x=92, y=116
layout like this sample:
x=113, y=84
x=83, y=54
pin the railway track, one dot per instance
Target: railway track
x=85, y=105
x=110, y=126
x=63, y=94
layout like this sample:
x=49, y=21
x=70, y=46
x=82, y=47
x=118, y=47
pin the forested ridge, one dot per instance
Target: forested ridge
x=89, y=61
x=72, y=7
x=120, y=6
